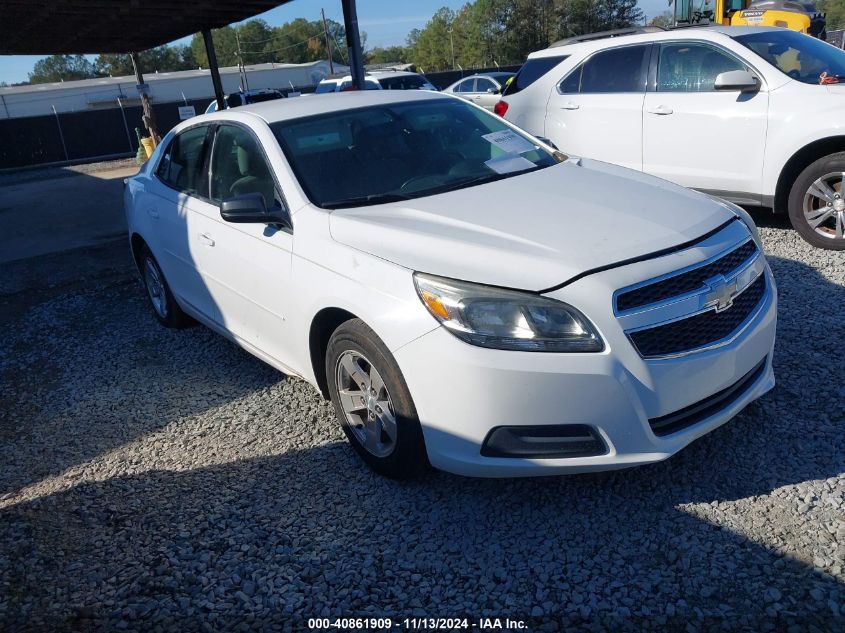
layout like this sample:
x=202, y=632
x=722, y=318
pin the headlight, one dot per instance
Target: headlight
x=506, y=319
x=743, y=215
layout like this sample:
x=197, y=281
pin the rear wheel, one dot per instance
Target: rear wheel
x=164, y=306
x=372, y=402
x=817, y=203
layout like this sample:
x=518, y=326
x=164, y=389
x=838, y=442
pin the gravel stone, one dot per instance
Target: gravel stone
x=157, y=480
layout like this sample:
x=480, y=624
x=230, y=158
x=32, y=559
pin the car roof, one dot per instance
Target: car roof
x=712, y=32
x=287, y=109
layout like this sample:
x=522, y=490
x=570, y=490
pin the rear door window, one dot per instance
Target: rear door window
x=531, y=71
x=465, y=86
x=616, y=70
x=182, y=166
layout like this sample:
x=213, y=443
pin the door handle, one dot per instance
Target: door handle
x=569, y=106
x=660, y=110
x=206, y=239
x=153, y=213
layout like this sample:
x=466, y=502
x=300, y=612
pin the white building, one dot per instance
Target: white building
x=88, y=94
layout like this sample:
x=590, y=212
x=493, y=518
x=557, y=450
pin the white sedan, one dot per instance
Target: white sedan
x=483, y=89
x=466, y=296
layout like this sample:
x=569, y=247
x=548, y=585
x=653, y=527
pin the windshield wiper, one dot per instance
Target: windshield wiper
x=362, y=201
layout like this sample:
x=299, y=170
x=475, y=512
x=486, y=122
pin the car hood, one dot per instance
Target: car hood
x=535, y=230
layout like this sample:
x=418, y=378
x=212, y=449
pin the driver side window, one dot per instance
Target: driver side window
x=685, y=67
x=238, y=166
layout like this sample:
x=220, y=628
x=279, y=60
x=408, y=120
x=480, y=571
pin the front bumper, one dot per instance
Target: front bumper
x=462, y=392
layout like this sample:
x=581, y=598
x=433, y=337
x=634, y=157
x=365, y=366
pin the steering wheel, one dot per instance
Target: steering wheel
x=423, y=181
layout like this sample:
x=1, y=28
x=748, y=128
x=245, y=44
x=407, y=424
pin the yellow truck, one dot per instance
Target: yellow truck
x=803, y=17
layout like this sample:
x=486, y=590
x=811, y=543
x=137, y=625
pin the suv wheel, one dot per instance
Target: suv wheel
x=372, y=402
x=817, y=203
x=164, y=306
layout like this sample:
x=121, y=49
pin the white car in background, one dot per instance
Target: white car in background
x=378, y=80
x=466, y=296
x=245, y=97
x=482, y=89
x=755, y=115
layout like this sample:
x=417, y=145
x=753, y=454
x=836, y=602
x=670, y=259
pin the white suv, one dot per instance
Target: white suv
x=751, y=114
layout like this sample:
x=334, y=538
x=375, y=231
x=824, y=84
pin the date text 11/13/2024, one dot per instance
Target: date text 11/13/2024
x=417, y=624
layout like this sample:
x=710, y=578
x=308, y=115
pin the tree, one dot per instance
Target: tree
x=664, y=20
x=835, y=10
x=294, y=42
x=161, y=58
x=61, y=68
x=388, y=55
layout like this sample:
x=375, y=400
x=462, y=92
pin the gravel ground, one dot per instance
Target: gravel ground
x=156, y=480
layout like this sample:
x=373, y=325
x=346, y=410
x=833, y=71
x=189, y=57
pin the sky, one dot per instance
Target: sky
x=386, y=22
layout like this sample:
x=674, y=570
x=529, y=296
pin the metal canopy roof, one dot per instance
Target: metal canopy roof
x=44, y=27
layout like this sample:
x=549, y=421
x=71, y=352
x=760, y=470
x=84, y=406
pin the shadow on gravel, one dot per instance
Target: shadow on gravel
x=313, y=533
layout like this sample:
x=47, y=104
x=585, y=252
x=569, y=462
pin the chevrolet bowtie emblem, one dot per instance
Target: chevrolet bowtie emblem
x=721, y=294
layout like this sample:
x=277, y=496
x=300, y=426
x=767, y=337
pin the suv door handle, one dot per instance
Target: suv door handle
x=153, y=213
x=206, y=239
x=569, y=105
x=661, y=110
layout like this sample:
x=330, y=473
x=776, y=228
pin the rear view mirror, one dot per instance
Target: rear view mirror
x=740, y=80
x=251, y=208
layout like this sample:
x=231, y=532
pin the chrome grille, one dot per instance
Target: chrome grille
x=701, y=329
x=685, y=282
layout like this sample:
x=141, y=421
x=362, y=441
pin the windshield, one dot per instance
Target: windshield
x=799, y=56
x=400, y=151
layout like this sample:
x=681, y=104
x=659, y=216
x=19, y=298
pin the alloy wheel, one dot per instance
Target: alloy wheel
x=824, y=205
x=155, y=287
x=366, y=403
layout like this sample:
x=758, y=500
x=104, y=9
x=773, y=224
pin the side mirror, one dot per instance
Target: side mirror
x=740, y=80
x=251, y=208
x=492, y=91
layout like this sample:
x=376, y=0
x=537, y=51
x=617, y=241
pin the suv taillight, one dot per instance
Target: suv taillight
x=501, y=108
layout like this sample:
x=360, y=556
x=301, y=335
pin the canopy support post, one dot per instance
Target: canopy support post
x=353, y=42
x=215, y=71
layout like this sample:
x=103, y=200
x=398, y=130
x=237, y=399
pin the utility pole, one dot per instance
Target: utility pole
x=328, y=42
x=452, y=45
x=241, y=66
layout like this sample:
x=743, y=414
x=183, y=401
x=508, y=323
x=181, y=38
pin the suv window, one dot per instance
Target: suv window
x=531, y=71
x=685, y=67
x=181, y=167
x=615, y=70
x=238, y=166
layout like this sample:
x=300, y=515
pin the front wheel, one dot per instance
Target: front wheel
x=817, y=203
x=372, y=402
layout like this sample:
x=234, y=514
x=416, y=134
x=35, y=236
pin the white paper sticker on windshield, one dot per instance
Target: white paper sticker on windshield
x=509, y=141
x=509, y=163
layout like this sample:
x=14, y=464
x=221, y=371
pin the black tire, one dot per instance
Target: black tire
x=169, y=314
x=407, y=457
x=832, y=164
